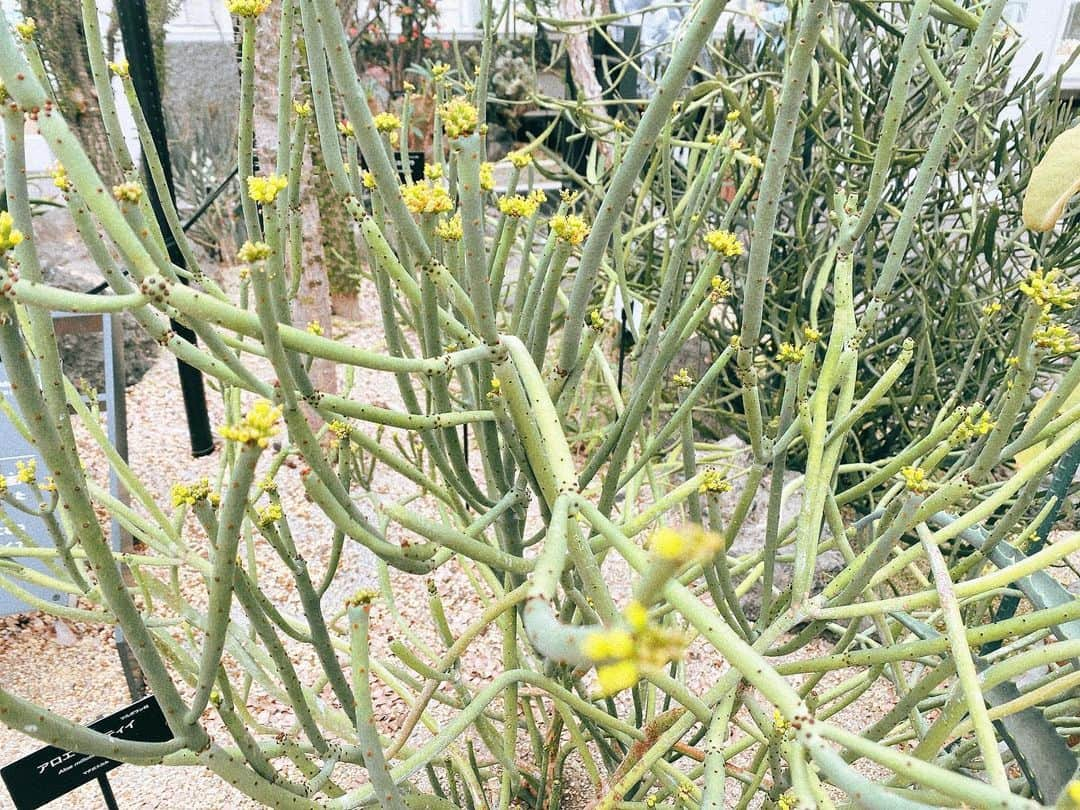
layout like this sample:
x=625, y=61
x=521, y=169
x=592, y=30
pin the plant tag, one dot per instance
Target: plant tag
x=51, y=772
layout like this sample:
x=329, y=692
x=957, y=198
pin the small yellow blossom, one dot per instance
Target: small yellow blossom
x=570, y=228
x=265, y=189
x=439, y=70
x=1042, y=287
x=368, y=179
x=1056, y=339
x=192, y=493
x=460, y=117
x=517, y=206
x=712, y=480
x=811, y=334
x=247, y=8
x=687, y=544
x=450, y=230
x=345, y=127
x=992, y=308
x=270, y=513
x=720, y=289
x=258, y=426
x=302, y=109
x=790, y=353
x=682, y=378
x=732, y=116
x=915, y=479
x=387, y=122
x=268, y=484
x=496, y=388
x=596, y=321
x=251, y=252
x=433, y=171
x=755, y=162
x=128, y=192
x=26, y=471
x=519, y=158
x=314, y=328
x=10, y=236
x=623, y=654
x=120, y=68
x=426, y=198
x=60, y=177
x=971, y=428
x=487, y=176
x=568, y=196
x=724, y=242
x=26, y=29
x=713, y=139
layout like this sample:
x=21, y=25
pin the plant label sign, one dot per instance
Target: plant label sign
x=17, y=527
x=51, y=772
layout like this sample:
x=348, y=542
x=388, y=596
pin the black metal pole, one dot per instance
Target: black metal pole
x=135, y=31
x=106, y=793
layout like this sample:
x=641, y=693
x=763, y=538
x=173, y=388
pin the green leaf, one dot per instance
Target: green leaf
x=1053, y=182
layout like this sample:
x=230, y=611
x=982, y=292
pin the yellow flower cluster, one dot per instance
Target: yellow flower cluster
x=302, y=109
x=1056, y=339
x=258, y=426
x=596, y=321
x=60, y=177
x=10, y=236
x=251, y=252
x=1042, y=287
x=682, y=378
x=362, y=598
x=970, y=428
x=387, y=123
x=433, y=171
x=790, y=353
x=460, y=118
x=26, y=471
x=268, y=484
x=120, y=68
x=439, y=70
x=712, y=480
x=519, y=158
x=450, y=230
x=720, y=289
x=518, y=205
x=26, y=29
x=265, y=189
x=724, y=242
x=128, y=192
x=689, y=544
x=314, y=328
x=269, y=514
x=426, y=198
x=345, y=127
x=811, y=334
x=368, y=179
x=247, y=8
x=915, y=480
x=194, y=492
x=993, y=308
x=622, y=655
x=570, y=228
x=487, y=176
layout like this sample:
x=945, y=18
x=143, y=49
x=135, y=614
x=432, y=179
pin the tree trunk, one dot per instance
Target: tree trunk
x=62, y=41
x=582, y=68
x=312, y=302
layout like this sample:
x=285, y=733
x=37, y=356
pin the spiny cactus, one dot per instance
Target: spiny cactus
x=481, y=334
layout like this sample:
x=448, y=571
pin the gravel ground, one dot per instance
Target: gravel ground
x=73, y=669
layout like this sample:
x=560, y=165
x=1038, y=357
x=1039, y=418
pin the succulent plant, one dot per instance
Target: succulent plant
x=510, y=356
